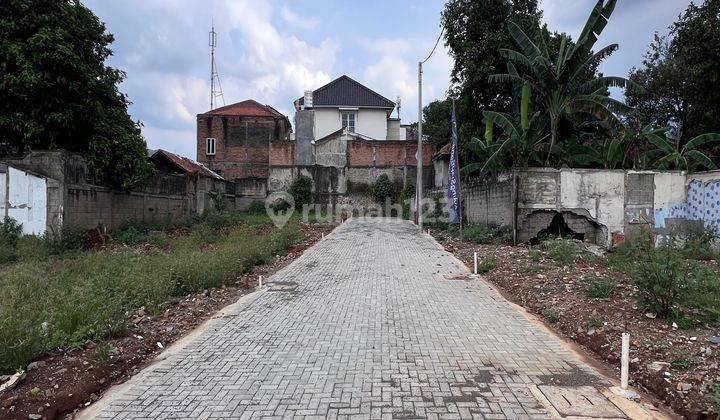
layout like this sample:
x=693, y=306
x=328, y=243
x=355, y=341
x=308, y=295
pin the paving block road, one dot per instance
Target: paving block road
x=366, y=324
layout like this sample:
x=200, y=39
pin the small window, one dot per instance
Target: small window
x=348, y=120
x=209, y=146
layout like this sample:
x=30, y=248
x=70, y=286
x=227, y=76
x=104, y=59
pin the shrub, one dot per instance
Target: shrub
x=257, y=207
x=8, y=254
x=703, y=292
x=301, y=191
x=382, y=189
x=478, y=233
x=593, y=322
x=661, y=276
x=218, y=199
x=487, y=265
x=551, y=315
x=10, y=231
x=698, y=242
x=601, y=288
x=130, y=236
x=406, y=195
x=563, y=251
x=681, y=361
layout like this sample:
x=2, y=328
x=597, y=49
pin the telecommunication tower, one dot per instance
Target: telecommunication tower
x=215, y=91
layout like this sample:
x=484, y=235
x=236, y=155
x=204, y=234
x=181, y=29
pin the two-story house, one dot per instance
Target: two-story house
x=345, y=104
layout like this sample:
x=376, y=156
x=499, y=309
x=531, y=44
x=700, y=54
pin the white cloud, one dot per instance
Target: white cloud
x=301, y=22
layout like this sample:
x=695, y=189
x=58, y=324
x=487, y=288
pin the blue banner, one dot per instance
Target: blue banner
x=453, y=193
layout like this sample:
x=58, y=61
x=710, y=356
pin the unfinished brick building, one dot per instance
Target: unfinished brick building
x=236, y=140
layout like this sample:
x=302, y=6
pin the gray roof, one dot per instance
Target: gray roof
x=345, y=91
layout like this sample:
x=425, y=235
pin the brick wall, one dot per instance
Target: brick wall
x=282, y=153
x=364, y=153
x=243, y=144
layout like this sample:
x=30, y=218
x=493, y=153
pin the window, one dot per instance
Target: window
x=348, y=120
x=209, y=146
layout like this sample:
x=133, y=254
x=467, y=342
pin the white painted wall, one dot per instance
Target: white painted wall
x=26, y=200
x=368, y=122
x=327, y=120
x=669, y=189
x=372, y=123
x=601, y=193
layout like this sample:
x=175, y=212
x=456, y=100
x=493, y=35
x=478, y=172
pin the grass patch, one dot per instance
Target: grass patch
x=563, y=251
x=593, y=322
x=601, y=288
x=550, y=315
x=681, y=361
x=55, y=303
x=487, y=265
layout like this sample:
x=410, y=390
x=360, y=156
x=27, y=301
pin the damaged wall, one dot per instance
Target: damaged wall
x=599, y=206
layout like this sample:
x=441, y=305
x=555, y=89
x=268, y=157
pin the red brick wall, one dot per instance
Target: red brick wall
x=282, y=153
x=248, y=154
x=386, y=153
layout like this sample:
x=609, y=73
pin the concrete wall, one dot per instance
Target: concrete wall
x=327, y=121
x=600, y=206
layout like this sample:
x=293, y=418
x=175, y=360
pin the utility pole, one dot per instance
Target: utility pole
x=419, y=171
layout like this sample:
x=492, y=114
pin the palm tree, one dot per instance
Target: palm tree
x=561, y=87
x=669, y=154
x=521, y=139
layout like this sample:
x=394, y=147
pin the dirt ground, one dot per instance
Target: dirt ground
x=679, y=367
x=63, y=382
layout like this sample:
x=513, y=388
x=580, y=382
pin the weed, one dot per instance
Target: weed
x=683, y=323
x=301, y=191
x=681, y=361
x=551, y=315
x=593, y=322
x=535, y=255
x=563, y=251
x=715, y=397
x=34, y=393
x=601, y=288
x=533, y=269
x=487, y=265
x=478, y=233
x=102, y=353
x=10, y=231
x=257, y=207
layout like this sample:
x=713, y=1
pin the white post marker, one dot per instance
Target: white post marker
x=322, y=235
x=475, y=262
x=260, y=281
x=625, y=361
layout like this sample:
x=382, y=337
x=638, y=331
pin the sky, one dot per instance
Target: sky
x=274, y=50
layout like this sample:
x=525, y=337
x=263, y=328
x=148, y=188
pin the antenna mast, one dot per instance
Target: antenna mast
x=214, y=76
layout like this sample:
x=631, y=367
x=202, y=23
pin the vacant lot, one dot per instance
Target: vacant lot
x=55, y=295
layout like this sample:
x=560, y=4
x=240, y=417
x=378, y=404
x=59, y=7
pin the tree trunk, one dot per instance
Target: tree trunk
x=553, y=137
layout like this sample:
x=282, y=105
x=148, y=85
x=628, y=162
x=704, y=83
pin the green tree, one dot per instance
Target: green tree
x=520, y=141
x=436, y=121
x=560, y=84
x=681, y=76
x=670, y=154
x=475, y=31
x=301, y=191
x=57, y=92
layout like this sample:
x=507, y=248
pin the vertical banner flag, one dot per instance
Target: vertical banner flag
x=453, y=193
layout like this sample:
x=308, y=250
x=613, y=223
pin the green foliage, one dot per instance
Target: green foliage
x=406, y=196
x=593, y=322
x=715, y=397
x=478, y=233
x=57, y=92
x=218, y=199
x=601, y=288
x=681, y=75
x=559, y=83
x=563, y=251
x=661, y=276
x=681, y=361
x=10, y=231
x=551, y=315
x=301, y=191
x=63, y=303
x=487, y=265
x=382, y=189
x=669, y=154
x=257, y=207
x=475, y=31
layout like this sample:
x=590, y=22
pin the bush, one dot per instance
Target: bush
x=382, y=189
x=478, y=233
x=601, y=288
x=703, y=293
x=698, y=241
x=257, y=207
x=301, y=191
x=487, y=265
x=406, y=195
x=563, y=251
x=661, y=276
x=551, y=315
x=10, y=231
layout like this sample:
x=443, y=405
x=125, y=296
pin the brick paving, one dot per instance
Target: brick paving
x=364, y=325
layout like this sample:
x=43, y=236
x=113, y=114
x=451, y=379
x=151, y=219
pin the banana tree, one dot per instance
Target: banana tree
x=668, y=153
x=561, y=85
x=520, y=139
x=612, y=153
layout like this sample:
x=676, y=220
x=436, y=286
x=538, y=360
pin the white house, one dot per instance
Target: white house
x=346, y=104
